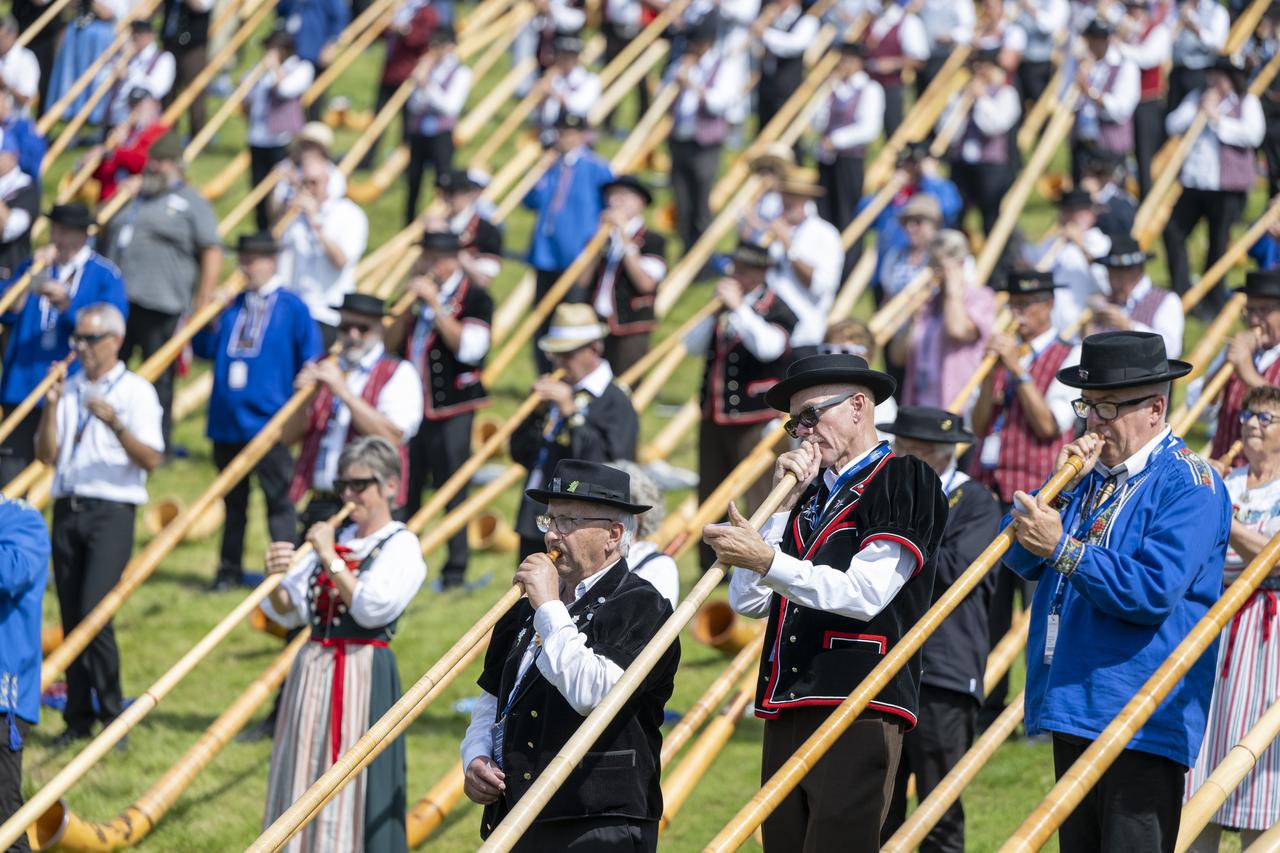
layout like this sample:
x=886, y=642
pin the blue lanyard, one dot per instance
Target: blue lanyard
x=880, y=451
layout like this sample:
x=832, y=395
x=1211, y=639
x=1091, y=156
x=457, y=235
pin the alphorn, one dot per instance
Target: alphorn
x=1073, y=785
x=1184, y=416
x=19, y=412
x=37, y=26
x=428, y=814
x=72, y=127
x=48, y=796
x=790, y=774
x=1267, y=842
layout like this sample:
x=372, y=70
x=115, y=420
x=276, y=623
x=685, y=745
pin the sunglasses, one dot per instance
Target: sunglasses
x=1265, y=419
x=810, y=415
x=1106, y=410
x=88, y=340
x=348, y=328
x=353, y=484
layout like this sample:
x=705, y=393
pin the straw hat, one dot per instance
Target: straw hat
x=800, y=181
x=573, y=326
x=775, y=156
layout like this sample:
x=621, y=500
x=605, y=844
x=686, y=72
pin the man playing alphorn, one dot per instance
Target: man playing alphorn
x=842, y=571
x=555, y=656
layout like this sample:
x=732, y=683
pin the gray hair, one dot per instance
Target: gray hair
x=108, y=315
x=374, y=451
x=643, y=491
x=9, y=23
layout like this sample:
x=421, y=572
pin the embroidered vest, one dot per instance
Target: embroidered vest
x=842, y=112
x=1237, y=166
x=449, y=386
x=974, y=146
x=734, y=381
x=888, y=47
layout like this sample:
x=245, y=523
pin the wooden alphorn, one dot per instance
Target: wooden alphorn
x=15, y=416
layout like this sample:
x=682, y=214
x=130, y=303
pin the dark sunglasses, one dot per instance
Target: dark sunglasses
x=354, y=484
x=1265, y=419
x=88, y=340
x=810, y=415
x=1106, y=410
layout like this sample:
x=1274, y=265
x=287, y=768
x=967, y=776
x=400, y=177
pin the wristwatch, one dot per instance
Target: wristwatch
x=336, y=566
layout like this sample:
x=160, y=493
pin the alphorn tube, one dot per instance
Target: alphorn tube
x=428, y=814
x=1103, y=751
x=790, y=774
x=19, y=412
x=1182, y=419
x=693, y=719
x=1231, y=257
x=669, y=436
x=72, y=127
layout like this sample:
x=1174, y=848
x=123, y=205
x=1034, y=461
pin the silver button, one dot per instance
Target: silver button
x=528, y=776
x=733, y=386
x=793, y=638
x=533, y=714
x=734, y=399
x=794, y=669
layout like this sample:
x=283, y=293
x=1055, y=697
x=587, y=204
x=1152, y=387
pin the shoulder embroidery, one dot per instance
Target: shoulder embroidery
x=1200, y=470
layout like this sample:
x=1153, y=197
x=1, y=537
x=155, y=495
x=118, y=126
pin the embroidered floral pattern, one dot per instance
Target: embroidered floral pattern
x=1069, y=556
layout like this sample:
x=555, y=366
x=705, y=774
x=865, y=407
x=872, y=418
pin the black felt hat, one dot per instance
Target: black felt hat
x=141, y=25
x=829, y=369
x=701, y=32
x=281, y=37
x=1125, y=252
x=751, y=255
x=455, y=180
x=925, y=423
x=1028, y=281
x=854, y=48
x=1122, y=360
x=593, y=482
x=261, y=243
x=568, y=120
x=567, y=43
x=440, y=241
x=628, y=182
x=363, y=303
x=1261, y=283
x=1075, y=198
x=73, y=215
x=1097, y=28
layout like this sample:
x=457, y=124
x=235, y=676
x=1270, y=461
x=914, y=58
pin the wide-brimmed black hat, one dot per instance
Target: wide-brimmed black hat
x=628, y=182
x=72, y=215
x=853, y=48
x=281, y=36
x=567, y=43
x=141, y=25
x=593, y=482
x=1074, y=199
x=1122, y=360
x=925, y=423
x=455, y=180
x=1125, y=252
x=751, y=255
x=443, y=34
x=833, y=369
x=1097, y=28
x=987, y=55
x=1023, y=282
x=703, y=31
x=440, y=241
x=568, y=120
x=261, y=243
x=363, y=303
x=1261, y=283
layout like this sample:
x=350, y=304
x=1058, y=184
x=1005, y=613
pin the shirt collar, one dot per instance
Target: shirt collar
x=273, y=284
x=450, y=286
x=1137, y=463
x=597, y=381
x=462, y=219
x=1043, y=340
x=584, y=586
x=369, y=359
x=106, y=380
x=77, y=260
x=831, y=475
x=1139, y=291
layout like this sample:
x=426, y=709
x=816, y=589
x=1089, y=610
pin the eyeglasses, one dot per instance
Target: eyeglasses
x=810, y=415
x=1265, y=419
x=88, y=340
x=565, y=524
x=1255, y=309
x=348, y=328
x=1106, y=410
x=354, y=484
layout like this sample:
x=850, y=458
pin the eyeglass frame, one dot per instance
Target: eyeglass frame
x=813, y=413
x=547, y=522
x=1089, y=405
x=75, y=339
x=341, y=484
x=1265, y=419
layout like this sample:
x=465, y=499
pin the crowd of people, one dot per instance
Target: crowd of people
x=1060, y=346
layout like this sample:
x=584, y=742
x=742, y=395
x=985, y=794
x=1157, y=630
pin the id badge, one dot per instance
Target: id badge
x=1050, y=637
x=125, y=236
x=990, y=456
x=237, y=375
x=49, y=339
x=497, y=736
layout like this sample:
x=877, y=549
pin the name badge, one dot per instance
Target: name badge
x=1051, y=638
x=990, y=456
x=49, y=339
x=126, y=236
x=237, y=375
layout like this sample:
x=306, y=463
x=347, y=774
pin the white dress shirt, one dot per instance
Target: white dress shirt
x=400, y=402
x=1151, y=52
x=911, y=35
x=659, y=570
x=384, y=588
x=19, y=220
x=21, y=72
x=1076, y=269
x=306, y=266
x=815, y=243
x=716, y=94
x=1202, y=168
x=1135, y=464
x=786, y=43
x=859, y=591
x=580, y=675
x=947, y=18
x=293, y=78
x=868, y=118
x=576, y=92
x=473, y=341
x=1192, y=50
x=654, y=266
x=1262, y=360
x=1041, y=28
x=153, y=69
x=763, y=339
x=994, y=112
x=1118, y=102
x=444, y=95
x=92, y=462
x=1168, y=322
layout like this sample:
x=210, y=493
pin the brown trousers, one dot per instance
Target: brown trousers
x=841, y=803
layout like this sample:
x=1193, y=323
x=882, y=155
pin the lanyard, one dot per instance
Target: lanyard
x=880, y=451
x=251, y=322
x=83, y=416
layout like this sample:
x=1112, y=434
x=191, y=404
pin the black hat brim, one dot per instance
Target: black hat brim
x=1070, y=376
x=635, y=187
x=881, y=385
x=543, y=496
x=960, y=436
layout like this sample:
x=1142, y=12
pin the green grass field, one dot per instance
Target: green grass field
x=222, y=809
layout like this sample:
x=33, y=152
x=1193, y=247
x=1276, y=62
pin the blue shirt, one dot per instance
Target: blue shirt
x=1130, y=601
x=313, y=24
x=889, y=231
x=24, y=563
x=1266, y=253
x=254, y=362
x=568, y=214
x=31, y=145
x=39, y=334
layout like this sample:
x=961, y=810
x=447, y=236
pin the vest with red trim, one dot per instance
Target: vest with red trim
x=734, y=381
x=992, y=149
x=1144, y=311
x=1237, y=164
x=888, y=47
x=632, y=309
x=1024, y=459
x=813, y=657
x=330, y=617
x=1229, y=412
x=450, y=387
x=318, y=421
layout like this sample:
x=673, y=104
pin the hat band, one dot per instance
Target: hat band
x=574, y=333
x=1107, y=375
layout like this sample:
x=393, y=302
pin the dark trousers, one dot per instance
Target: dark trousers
x=1182, y=82
x=92, y=540
x=615, y=40
x=842, y=802
x=261, y=162
x=543, y=281
x=45, y=47
x=982, y=185
x=940, y=739
x=893, y=107
x=693, y=171
x=438, y=450
x=1135, y=806
x=843, y=182
x=315, y=112
x=435, y=151
x=189, y=62
x=385, y=91
x=1220, y=211
x=19, y=449
x=1032, y=79
x=590, y=835
x=622, y=351
x=273, y=472
x=720, y=450
x=1148, y=136
x=1271, y=150
x=147, y=331
x=11, y=778
x=930, y=69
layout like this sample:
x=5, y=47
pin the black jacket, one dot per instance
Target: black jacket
x=183, y=27
x=955, y=657
x=620, y=774
x=17, y=250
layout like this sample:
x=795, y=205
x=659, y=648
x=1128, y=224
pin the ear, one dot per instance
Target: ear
x=391, y=489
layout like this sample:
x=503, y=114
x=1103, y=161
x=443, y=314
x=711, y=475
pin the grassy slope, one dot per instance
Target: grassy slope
x=222, y=809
